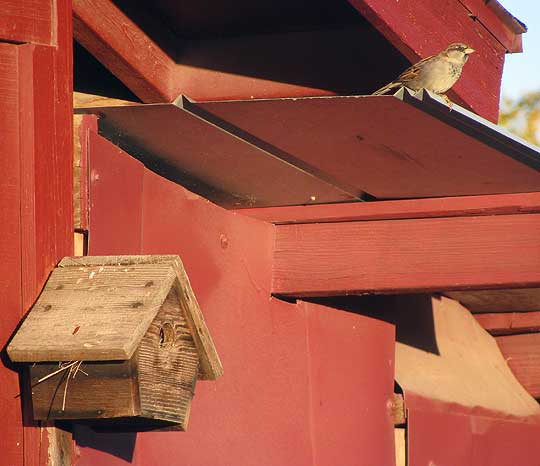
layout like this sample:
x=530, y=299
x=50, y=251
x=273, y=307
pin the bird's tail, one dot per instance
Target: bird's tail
x=385, y=89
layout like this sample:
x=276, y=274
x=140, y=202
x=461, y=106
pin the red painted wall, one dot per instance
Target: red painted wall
x=303, y=384
x=35, y=187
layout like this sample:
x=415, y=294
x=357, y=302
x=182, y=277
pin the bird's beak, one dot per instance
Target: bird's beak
x=468, y=51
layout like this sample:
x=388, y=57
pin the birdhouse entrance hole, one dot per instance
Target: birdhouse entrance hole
x=167, y=335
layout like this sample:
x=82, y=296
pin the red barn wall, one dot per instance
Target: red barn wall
x=303, y=384
x=36, y=186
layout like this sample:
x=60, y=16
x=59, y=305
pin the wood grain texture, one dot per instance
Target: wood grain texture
x=522, y=352
x=526, y=299
x=28, y=21
x=36, y=100
x=85, y=100
x=11, y=432
x=479, y=85
x=390, y=256
x=499, y=204
x=211, y=367
x=107, y=391
x=82, y=126
x=117, y=42
x=168, y=364
x=92, y=313
x=504, y=323
x=398, y=410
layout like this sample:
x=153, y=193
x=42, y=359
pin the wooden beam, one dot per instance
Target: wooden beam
x=83, y=125
x=32, y=22
x=398, y=410
x=504, y=323
x=522, y=352
x=479, y=86
x=84, y=100
x=499, y=22
x=117, y=42
x=499, y=204
x=527, y=299
x=412, y=255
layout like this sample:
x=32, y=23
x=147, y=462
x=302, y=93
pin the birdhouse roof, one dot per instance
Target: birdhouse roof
x=99, y=308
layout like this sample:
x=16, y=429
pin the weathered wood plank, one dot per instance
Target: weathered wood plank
x=522, y=352
x=398, y=410
x=92, y=313
x=85, y=100
x=525, y=299
x=106, y=391
x=498, y=204
x=211, y=367
x=503, y=323
x=400, y=442
x=168, y=365
x=82, y=126
x=117, y=42
x=389, y=256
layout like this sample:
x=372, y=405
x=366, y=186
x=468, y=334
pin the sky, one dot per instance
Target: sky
x=522, y=70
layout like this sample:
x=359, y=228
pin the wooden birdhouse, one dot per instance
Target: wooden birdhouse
x=117, y=341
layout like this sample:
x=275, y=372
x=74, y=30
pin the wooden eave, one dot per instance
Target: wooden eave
x=159, y=73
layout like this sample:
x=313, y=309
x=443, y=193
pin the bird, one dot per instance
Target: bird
x=437, y=73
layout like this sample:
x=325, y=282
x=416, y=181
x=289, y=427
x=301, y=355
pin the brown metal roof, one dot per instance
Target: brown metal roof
x=324, y=149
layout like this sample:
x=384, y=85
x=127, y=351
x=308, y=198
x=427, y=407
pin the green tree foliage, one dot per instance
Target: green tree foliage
x=522, y=116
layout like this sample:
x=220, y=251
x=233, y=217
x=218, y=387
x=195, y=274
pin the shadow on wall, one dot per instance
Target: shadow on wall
x=119, y=444
x=411, y=314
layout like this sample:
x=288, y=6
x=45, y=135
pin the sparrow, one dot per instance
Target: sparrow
x=436, y=73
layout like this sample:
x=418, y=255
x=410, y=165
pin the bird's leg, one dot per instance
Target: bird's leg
x=448, y=101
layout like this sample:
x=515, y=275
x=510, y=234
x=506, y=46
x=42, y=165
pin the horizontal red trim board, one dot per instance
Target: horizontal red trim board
x=412, y=255
x=499, y=323
x=522, y=353
x=499, y=204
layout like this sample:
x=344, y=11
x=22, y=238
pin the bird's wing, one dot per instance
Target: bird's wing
x=412, y=72
x=408, y=75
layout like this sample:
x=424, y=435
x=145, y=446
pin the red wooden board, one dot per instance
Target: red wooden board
x=384, y=146
x=409, y=25
x=523, y=355
x=36, y=116
x=28, y=21
x=283, y=387
x=114, y=201
x=114, y=39
x=501, y=323
x=431, y=254
x=502, y=204
x=11, y=432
